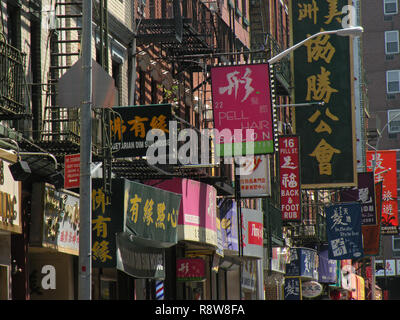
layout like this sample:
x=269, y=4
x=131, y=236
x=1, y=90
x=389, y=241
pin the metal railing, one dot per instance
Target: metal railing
x=12, y=84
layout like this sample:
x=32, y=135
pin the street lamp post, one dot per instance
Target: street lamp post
x=351, y=31
x=374, y=167
x=85, y=188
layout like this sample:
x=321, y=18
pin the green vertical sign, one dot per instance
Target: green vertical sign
x=322, y=72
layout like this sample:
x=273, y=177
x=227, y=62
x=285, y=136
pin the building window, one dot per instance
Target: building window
x=393, y=81
x=392, y=42
x=394, y=121
x=390, y=6
x=396, y=243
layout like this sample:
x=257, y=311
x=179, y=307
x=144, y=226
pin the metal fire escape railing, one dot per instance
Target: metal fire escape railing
x=13, y=88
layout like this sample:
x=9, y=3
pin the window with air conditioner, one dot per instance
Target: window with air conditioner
x=393, y=81
x=394, y=121
x=390, y=6
x=392, y=42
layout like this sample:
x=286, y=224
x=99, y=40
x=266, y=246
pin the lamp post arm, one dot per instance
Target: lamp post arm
x=294, y=47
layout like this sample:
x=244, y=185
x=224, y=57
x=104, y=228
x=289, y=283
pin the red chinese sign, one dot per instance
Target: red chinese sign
x=289, y=177
x=72, y=171
x=386, y=171
x=190, y=269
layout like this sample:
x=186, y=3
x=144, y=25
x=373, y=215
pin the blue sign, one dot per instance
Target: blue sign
x=302, y=263
x=343, y=227
x=291, y=289
x=326, y=267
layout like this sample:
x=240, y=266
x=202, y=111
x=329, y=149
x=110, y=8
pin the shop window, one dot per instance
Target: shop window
x=390, y=6
x=393, y=81
x=396, y=243
x=392, y=42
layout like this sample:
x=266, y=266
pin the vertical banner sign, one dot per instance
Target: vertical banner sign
x=365, y=194
x=292, y=289
x=255, y=181
x=242, y=100
x=386, y=171
x=322, y=72
x=289, y=173
x=371, y=234
x=343, y=227
x=72, y=171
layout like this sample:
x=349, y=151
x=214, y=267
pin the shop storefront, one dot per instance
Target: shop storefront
x=10, y=220
x=197, y=234
x=130, y=233
x=53, y=243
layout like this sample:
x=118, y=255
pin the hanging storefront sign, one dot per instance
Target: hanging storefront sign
x=371, y=234
x=303, y=262
x=190, y=269
x=365, y=194
x=107, y=221
x=242, y=100
x=383, y=164
x=10, y=199
x=131, y=124
x=249, y=275
x=343, y=227
x=229, y=226
x=292, y=289
x=289, y=173
x=327, y=268
x=255, y=181
x=151, y=213
x=139, y=261
x=55, y=222
x=311, y=289
x=198, y=210
x=140, y=241
x=252, y=233
x=323, y=73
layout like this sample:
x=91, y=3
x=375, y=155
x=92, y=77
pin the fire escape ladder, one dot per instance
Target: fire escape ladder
x=60, y=124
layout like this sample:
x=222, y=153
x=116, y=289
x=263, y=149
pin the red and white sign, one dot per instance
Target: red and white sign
x=289, y=177
x=255, y=179
x=386, y=171
x=255, y=233
x=190, y=269
x=72, y=171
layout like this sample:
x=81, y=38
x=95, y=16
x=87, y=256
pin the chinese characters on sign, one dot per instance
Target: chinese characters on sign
x=343, y=227
x=255, y=178
x=72, y=171
x=130, y=128
x=190, y=269
x=386, y=171
x=322, y=73
x=365, y=194
x=242, y=100
x=289, y=177
x=152, y=213
x=292, y=289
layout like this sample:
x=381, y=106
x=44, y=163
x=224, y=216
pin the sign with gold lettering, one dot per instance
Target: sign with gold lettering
x=10, y=200
x=322, y=72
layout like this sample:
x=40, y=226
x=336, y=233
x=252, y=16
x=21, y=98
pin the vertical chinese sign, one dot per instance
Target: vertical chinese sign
x=242, y=100
x=386, y=171
x=322, y=72
x=289, y=172
x=343, y=228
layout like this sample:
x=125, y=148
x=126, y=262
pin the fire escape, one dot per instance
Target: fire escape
x=60, y=134
x=181, y=29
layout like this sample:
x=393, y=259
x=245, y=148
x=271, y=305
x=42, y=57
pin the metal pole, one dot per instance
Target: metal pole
x=85, y=227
